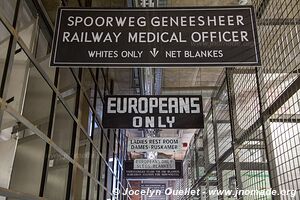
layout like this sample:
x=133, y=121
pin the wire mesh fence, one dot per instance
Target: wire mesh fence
x=252, y=136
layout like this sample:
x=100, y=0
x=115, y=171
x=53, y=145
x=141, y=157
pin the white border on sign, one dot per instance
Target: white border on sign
x=166, y=9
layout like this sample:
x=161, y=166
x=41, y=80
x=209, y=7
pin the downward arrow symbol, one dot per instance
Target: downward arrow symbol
x=154, y=52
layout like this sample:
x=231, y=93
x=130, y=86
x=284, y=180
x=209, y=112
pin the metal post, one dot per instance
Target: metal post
x=92, y=137
x=100, y=142
x=110, y=88
x=9, y=57
x=232, y=114
x=49, y=135
x=206, y=156
x=216, y=144
x=75, y=134
x=269, y=152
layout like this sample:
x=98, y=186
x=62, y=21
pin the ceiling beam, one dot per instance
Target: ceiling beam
x=191, y=88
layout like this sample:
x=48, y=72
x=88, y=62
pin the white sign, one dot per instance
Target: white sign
x=154, y=144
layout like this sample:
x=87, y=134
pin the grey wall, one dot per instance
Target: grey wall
x=7, y=153
x=27, y=168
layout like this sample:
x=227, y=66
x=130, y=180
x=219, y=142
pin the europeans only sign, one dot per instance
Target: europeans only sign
x=154, y=144
x=153, y=112
x=208, y=36
x=154, y=164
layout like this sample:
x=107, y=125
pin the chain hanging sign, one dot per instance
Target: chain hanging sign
x=205, y=36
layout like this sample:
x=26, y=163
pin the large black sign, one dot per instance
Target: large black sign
x=167, y=112
x=208, y=36
x=131, y=173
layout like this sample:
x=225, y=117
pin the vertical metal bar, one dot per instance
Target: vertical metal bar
x=44, y=16
x=100, y=142
x=206, y=153
x=232, y=115
x=197, y=157
x=119, y=148
x=262, y=7
x=49, y=135
x=73, y=139
x=34, y=45
x=108, y=132
x=10, y=53
x=123, y=157
x=107, y=143
x=92, y=137
x=120, y=162
x=107, y=160
x=216, y=144
x=269, y=154
x=111, y=133
x=113, y=162
x=100, y=165
x=119, y=152
x=9, y=59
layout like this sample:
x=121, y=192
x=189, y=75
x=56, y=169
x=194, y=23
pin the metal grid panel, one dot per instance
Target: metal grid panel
x=254, y=170
x=246, y=104
x=268, y=138
x=279, y=83
x=264, y=112
x=222, y=120
x=279, y=42
x=226, y=178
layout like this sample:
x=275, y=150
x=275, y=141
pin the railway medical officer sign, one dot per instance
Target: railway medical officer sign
x=209, y=36
x=162, y=111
